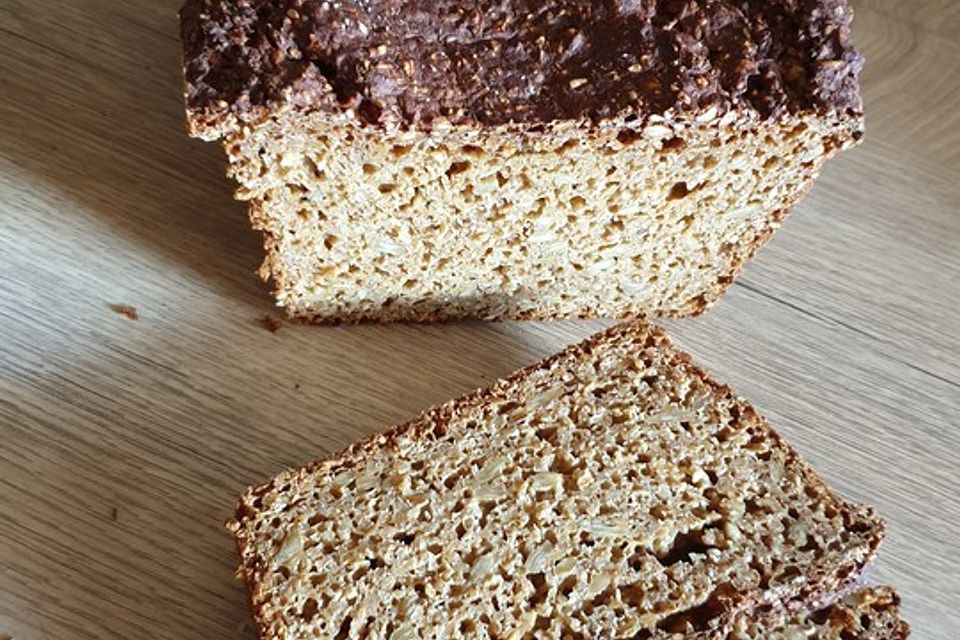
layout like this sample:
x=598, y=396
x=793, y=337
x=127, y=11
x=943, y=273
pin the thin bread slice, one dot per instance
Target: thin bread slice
x=869, y=614
x=611, y=491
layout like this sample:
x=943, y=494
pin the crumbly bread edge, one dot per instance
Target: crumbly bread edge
x=887, y=600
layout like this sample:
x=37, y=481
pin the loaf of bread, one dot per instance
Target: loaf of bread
x=435, y=159
x=868, y=614
x=611, y=491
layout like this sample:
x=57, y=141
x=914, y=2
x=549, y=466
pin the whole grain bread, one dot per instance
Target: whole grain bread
x=434, y=159
x=611, y=491
x=868, y=614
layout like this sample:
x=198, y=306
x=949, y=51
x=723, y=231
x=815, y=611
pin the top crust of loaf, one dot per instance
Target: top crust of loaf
x=421, y=63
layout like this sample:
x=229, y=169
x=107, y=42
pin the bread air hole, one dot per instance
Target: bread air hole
x=344, y=631
x=486, y=507
x=548, y=434
x=678, y=191
x=684, y=545
x=673, y=144
x=568, y=633
x=699, y=618
x=628, y=136
x=540, y=589
x=400, y=150
x=457, y=168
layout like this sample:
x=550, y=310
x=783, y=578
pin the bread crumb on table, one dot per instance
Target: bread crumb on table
x=125, y=310
x=270, y=323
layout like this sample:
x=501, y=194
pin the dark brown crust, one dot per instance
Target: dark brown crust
x=412, y=62
x=825, y=586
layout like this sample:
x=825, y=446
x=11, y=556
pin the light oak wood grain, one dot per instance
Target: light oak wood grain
x=124, y=443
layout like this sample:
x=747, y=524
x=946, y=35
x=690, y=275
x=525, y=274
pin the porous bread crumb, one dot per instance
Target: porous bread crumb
x=612, y=491
x=365, y=225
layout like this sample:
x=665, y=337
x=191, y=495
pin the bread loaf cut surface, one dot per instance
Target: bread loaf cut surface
x=869, y=614
x=430, y=159
x=611, y=491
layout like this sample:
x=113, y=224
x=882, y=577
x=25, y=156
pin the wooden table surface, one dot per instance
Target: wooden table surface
x=124, y=443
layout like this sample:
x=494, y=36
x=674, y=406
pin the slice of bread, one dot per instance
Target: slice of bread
x=431, y=159
x=611, y=491
x=869, y=614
